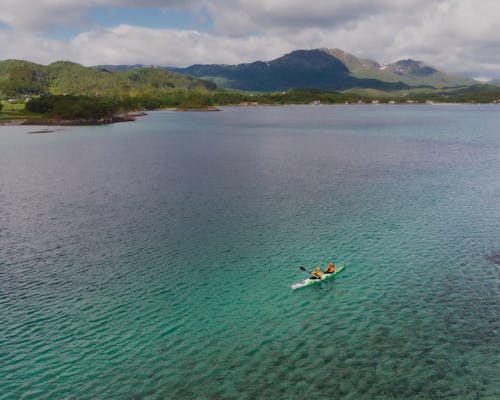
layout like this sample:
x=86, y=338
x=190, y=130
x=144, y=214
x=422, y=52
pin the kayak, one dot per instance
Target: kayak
x=309, y=281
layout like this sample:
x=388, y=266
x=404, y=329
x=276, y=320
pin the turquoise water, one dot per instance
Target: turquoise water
x=153, y=260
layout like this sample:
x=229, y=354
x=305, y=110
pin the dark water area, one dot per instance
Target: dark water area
x=154, y=259
x=494, y=257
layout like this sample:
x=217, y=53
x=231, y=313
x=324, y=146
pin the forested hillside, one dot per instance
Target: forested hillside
x=23, y=78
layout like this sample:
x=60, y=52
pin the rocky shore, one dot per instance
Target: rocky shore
x=126, y=117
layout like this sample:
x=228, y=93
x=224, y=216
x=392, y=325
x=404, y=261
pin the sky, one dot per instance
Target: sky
x=457, y=36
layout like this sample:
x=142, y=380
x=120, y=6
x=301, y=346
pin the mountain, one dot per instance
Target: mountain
x=324, y=69
x=18, y=77
x=410, y=72
x=319, y=69
x=312, y=69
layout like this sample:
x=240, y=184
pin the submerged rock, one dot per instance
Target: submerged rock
x=125, y=117
x=493, y=257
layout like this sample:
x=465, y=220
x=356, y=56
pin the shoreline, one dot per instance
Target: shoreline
x=133, y=115
x=125, y=117
x=191, y=109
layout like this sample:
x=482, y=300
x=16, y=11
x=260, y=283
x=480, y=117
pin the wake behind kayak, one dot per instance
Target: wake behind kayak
x=311, y=281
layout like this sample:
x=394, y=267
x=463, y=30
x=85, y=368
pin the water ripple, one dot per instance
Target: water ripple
x=159, y=265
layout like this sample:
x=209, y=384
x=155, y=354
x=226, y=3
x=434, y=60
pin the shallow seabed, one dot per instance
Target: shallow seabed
x=154, y=259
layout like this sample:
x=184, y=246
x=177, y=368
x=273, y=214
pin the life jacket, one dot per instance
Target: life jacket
x=317, y=272
x=330, y=269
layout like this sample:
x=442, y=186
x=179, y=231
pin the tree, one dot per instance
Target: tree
x=73, y=107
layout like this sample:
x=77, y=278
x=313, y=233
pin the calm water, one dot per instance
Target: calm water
x=154, y=259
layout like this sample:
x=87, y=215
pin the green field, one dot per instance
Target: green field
x=11, y=111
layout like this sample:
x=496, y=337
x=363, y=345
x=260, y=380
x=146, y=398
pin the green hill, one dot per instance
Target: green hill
x=23, y=78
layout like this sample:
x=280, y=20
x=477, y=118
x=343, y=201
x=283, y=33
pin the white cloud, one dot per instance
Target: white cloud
x=453, y=35
x=240, y=17
x=127, y=44
x=167, y=47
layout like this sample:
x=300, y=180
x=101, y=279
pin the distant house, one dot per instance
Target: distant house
x=249, y=103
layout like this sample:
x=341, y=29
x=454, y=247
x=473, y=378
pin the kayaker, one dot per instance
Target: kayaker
x=330, y=269
x=317, y=274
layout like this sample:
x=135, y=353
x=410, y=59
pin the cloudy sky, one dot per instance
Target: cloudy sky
x=460, y=36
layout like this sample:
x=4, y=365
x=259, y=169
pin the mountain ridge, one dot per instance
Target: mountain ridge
x=318, y=69
x=324, y=69
x=408, y=71
x=312, y=69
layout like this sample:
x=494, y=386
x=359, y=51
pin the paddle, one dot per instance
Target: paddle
x=309, y=272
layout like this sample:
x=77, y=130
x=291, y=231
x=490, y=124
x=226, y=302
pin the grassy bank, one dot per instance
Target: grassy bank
x=16, y=111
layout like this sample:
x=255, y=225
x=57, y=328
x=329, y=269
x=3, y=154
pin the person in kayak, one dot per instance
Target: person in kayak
x=317, y=274
x=330, y=269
